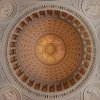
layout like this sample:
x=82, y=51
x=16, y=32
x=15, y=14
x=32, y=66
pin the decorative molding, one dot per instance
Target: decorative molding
x=8, y=92
x=92, y=92
x=8, y=10
x=22, y=4
x=91, y=8
x=73, y=3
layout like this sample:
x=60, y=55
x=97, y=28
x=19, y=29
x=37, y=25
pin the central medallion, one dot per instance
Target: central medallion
x=50, y=49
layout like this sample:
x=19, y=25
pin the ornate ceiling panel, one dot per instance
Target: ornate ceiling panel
x=50, y=50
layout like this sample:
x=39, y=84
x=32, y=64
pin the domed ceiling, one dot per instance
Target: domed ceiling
x=49, y=51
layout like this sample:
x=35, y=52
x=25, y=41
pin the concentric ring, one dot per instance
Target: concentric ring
x=50, y=50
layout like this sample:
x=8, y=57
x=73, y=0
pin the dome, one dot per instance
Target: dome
x=49, y=50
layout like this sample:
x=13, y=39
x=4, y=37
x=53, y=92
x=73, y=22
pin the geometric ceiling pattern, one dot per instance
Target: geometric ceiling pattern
x=50, y=50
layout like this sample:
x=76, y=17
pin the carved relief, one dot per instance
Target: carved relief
x=91, y=9
x=8, y=92
x=24, y=3
x=74, y=3
x=7, y=10
x=92, y=92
